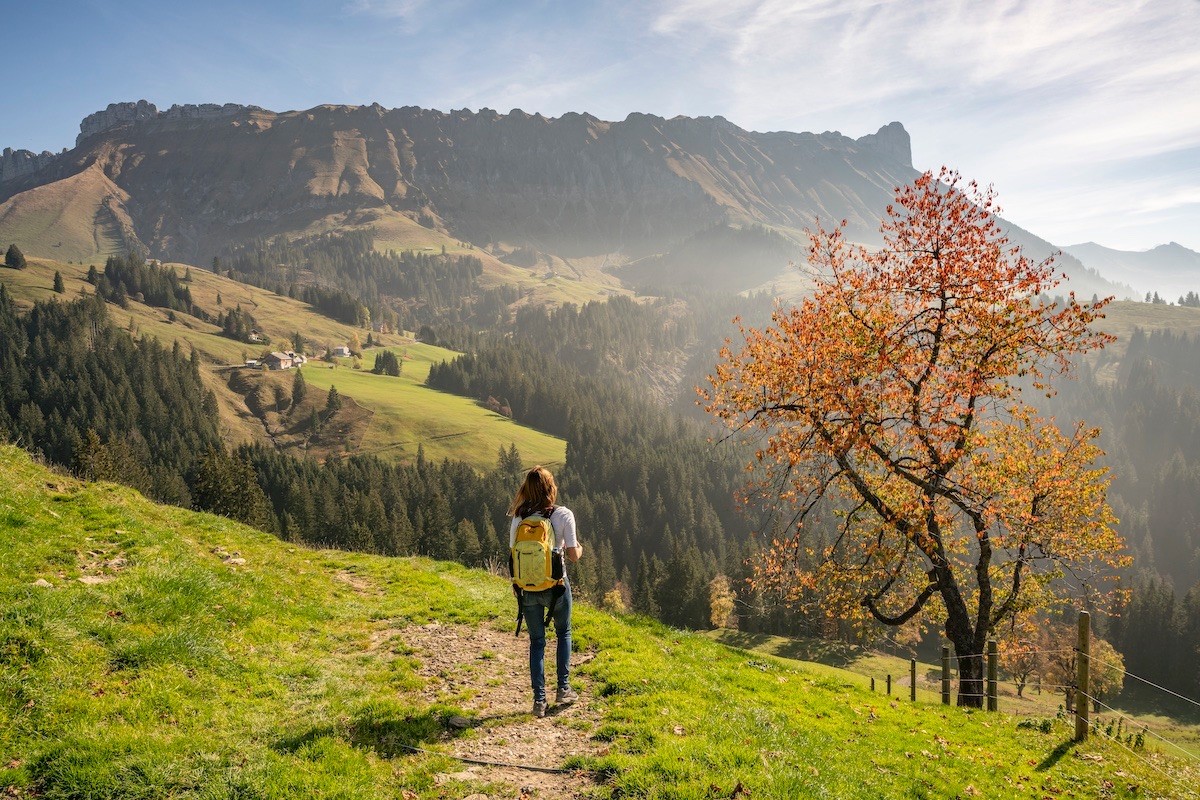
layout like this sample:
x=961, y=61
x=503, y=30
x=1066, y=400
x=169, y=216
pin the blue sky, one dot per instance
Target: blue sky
x=1085, y=114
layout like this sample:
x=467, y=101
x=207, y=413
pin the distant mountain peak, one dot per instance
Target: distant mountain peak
x=892, y=141
x=1168, y=268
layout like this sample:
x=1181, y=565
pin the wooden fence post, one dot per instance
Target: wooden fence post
x=945, y=675
x=992, y=662
x=1083, y=691
x=912, y=679
x=872, y=684
x=889, y=685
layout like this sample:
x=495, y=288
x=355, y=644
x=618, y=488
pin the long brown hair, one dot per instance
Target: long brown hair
x=537, y=493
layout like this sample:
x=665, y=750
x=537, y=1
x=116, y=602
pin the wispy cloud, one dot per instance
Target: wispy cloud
x=1014, y=92
x=405, y=12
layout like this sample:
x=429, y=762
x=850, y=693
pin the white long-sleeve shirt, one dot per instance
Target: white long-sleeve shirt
x=563, y=523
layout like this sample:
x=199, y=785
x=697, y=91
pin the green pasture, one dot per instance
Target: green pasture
x=408, y=414
x=1172, y=736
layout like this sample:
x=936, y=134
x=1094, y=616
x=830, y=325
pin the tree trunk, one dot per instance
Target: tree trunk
x=970, y=678
x=968, y=647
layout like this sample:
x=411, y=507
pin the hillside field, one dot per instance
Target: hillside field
x=405, y=413
x=147, y=651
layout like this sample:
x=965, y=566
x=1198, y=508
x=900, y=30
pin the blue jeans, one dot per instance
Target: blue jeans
x=533, y=606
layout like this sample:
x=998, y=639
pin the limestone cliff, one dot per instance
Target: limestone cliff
x=17, y=163
x=195, y=179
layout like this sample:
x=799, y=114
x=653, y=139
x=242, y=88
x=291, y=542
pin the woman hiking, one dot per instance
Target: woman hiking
x=533, y=503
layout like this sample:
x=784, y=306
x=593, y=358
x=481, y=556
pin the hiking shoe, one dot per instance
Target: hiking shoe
x=539, y=708
x=565, y=696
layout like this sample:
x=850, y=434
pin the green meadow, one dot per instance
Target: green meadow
x=147, y=652
x=408, y=414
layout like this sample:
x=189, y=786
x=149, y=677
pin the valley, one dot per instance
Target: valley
x=544, y=290
x=399, y=410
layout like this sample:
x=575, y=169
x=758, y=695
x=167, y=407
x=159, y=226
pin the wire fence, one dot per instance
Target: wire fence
x=1188, y=790
x=1068, y=689
x=1180, y=771
x=1129, y=674
x=1146, y=730
x=1060, y=686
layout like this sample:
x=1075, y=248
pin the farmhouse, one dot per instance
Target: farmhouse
x=278, y=361
x=341, y=351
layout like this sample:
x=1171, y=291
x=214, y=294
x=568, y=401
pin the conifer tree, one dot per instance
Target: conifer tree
x=59, y=287
x=14, y=258
x=299, y=388
x=645, y=590
x=333, y=402
x=470, y=552
x=93, y=462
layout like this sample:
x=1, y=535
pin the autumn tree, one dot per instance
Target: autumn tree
x=1106, y=667
x=889, y=415
x=721, y=600
x=1022, y=648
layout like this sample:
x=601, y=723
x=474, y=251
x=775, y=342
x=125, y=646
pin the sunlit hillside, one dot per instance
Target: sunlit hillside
x=147, y=651
x=403, y=413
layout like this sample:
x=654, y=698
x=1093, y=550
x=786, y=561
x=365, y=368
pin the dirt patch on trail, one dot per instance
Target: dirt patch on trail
x=486, y=671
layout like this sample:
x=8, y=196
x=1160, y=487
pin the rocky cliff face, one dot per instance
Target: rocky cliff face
x=118, y=115
x=18, y=163
x=198, y=178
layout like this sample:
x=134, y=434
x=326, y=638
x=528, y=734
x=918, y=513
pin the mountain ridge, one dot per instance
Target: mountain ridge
x=576, y=180
x=1169, y=268
x=201, y=178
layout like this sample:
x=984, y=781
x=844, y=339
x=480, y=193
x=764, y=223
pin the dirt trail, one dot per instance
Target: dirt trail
x=487, y=671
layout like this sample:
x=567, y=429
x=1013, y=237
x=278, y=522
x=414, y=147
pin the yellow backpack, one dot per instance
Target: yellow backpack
x=534, y=565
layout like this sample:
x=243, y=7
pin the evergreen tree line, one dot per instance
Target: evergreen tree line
x=131, y=276
x=342, y=275
x=1148, y=409
x=619, y=331
x=85, y=395
x=336, y=304
x=1157, y=630
x=676, y=335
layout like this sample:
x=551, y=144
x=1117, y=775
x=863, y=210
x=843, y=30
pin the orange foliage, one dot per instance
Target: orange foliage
x=889, y=413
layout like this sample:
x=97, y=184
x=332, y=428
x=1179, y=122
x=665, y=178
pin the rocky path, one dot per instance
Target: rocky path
x=486, y=671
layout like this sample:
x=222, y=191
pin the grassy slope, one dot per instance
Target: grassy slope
x=408, y=413
x=1182, y=732
x=1122, y=317
x=69, y=219
x=183, y=674
x=405, y=412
